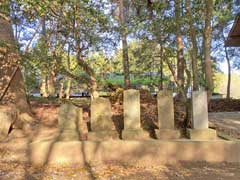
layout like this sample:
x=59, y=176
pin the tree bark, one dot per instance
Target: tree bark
x=180, y=57
x=125, y=58
x=207, y=47
x=68, y=89
x=50, y=84
x=229, y=74
x=194, y=53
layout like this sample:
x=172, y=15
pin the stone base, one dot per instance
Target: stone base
x=136, y=134
x=102, y=135
x=202, y=134
x=168, y=134
x=68, y=135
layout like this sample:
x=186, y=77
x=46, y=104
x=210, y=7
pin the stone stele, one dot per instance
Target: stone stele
x=101, y=114
x=132, y=124
x=200, y=129
x=101, y=121
x=70, y=121
x=166, y=116
x=131, y=106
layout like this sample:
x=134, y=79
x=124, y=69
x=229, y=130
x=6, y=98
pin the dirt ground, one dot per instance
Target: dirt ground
x=180, y=171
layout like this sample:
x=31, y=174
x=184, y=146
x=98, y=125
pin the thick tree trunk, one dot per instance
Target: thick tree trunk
x=180, y=58
x=125, y=58
x=207, y=47
x=10, y=73
x=194, y=53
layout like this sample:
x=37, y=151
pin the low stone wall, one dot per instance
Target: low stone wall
x=142, y=152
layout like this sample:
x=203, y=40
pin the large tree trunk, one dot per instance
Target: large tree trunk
x=207, y=47
x=194, y=53
x=124, y=46
x=180, y=58
x=12, y=90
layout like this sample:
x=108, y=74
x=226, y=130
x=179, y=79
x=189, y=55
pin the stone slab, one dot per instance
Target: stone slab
x=139, y=134
x=70, y=117
x=101, y=115
x=165, y=110
x=151, y=152
x=131, y=108
x=69, y=135
x=202, y=134
x=199, y=110
x=102, y=135
x=168, y=134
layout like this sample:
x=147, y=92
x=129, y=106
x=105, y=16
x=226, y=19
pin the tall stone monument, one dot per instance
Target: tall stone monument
x=101, y=120
x=166, y=116
x=200, y=130
x=132, y=123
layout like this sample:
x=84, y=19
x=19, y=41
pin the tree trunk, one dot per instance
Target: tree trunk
x=125, y=58
x=161, y=69
x=180, y=58
x=60, y=92
x=194, y=53
x=207, y=47
x=68, y=89
x=15, y=94
x=50, y=84
x=89, y=71
x=43, y=86
x=229, y=74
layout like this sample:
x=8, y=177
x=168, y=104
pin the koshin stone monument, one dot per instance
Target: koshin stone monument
x=200, y=130
x=132, y=123
x=101, y=120
x=70, y=122
x=166, y=116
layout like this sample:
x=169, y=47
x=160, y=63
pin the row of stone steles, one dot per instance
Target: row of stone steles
x=102, y=126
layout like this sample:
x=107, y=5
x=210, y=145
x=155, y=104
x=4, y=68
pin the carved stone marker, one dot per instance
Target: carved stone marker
x=70, y=121
x=101, y=115
x=131, y=107
x=200, y=129
x=132, y=123
x=200, y=110
x=101, y=120
x=166, y=116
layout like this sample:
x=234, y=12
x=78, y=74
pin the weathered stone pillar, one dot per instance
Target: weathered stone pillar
x=101, y=120
x=70, y=122
x=132, y=123
x=166, y=116
x=200, y=130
